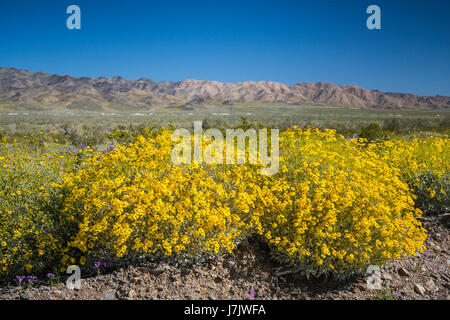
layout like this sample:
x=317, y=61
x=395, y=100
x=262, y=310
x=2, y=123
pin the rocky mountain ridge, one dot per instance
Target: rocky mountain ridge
x=40, y=90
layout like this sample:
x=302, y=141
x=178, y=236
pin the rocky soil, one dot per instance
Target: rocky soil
x=250, y=269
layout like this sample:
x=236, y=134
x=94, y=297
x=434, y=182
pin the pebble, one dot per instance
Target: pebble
x=386, y=276
x=403, y=272
x=109, y=296
x=362, y=286
x=24, y=296
x=131, y=293
x=431, y=286
x=419, y=289
x=185, y=271
x=157, y=271
x=435, y=246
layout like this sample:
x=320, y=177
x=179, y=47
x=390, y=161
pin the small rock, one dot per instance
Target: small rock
x=24, y=296
x=109, y=296
x=185, y=271
x=435, y=246
x=445, y=219
x=362, y=286
x=386, y=276
x=403, y=272
x=419, y=289
x=231, y=263
x=431, y=286
x=157, y=271
x=131, y=294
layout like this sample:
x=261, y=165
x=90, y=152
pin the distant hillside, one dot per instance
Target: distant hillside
x=24, y=89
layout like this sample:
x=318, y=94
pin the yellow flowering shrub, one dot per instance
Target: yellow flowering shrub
x=335, y=207
x=424, y=163
x=133, y=200
x=29, y=174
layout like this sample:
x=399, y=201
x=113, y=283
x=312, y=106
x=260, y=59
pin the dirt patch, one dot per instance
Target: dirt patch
x=251, y=271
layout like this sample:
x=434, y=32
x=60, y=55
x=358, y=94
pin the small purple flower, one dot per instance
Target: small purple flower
x=252, y=294
x=434, y=269
x=31, y=278
x=398, y=293
x=109, y=149
x=427, y=253
x=20, y=279
x=50, y=275
x=106, y=264
x=96, y=265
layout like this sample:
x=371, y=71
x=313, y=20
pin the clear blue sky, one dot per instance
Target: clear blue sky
x=279, y=40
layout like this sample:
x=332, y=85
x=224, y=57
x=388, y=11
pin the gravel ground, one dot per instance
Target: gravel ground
x=425, y=276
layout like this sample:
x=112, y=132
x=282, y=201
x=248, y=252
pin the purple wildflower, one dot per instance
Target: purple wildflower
x=50, y=275
x=398, y=293
x=20, y=279
x=109, y=149
x=96, y=265
x=31, y=278
x=252, y=294
x=106, y=264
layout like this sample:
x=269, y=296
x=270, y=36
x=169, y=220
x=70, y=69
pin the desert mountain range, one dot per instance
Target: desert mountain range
x=24, y=89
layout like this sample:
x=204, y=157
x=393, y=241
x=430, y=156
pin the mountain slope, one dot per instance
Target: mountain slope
x=24, y=88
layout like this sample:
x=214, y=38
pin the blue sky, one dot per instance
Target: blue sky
x=279, y=40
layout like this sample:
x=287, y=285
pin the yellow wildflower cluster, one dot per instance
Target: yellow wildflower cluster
x=336, y=205
x=424, y=163
x=133, y=200
x=29, y=176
